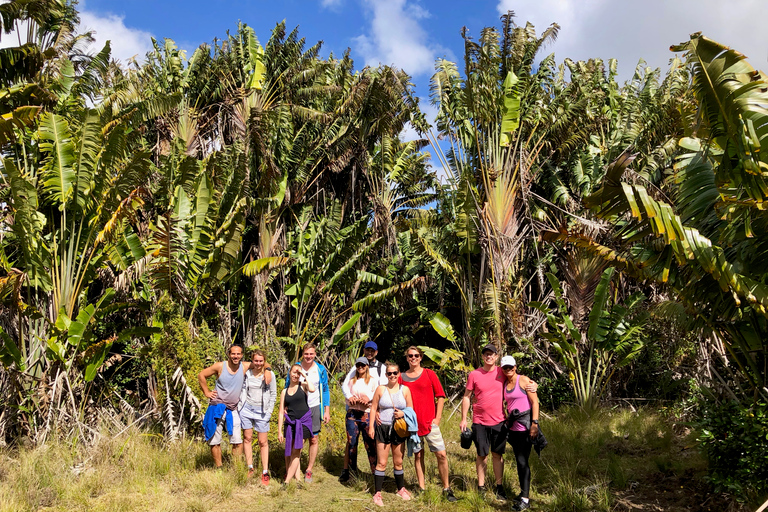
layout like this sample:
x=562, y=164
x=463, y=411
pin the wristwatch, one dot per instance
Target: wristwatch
x=536, y=422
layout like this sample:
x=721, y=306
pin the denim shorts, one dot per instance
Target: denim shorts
x=252, y=418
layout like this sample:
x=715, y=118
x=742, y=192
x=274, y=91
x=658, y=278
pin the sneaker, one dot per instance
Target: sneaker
x=448, y=493
x=265, y=479
x=522, y=505
x=481, y=489
x=403, y=493
x=250, y=472
x=308, y=477
x=500, y=494
x=377, y=499
x=344, y=478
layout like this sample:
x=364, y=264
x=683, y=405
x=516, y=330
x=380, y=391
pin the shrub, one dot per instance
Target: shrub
x=734, y=440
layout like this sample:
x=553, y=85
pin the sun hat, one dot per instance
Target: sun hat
x=362, y=360
x=371, y=344
x=507, y=361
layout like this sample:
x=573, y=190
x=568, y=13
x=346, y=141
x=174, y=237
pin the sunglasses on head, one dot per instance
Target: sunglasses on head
x=389, y=374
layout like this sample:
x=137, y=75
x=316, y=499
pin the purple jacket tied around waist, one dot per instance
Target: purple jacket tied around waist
x=294, y=433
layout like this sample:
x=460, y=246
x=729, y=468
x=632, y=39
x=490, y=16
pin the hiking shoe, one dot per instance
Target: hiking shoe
x=522, y=505
x=448, y=493
x=481, y=489
x=377, y=499
x=250, y=472
x=403, y=493
x=265, y=479
x=500, y=494
x=344, y=477
x=308, y=477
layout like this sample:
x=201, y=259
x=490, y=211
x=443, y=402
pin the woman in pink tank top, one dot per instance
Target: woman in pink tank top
x=523, y=421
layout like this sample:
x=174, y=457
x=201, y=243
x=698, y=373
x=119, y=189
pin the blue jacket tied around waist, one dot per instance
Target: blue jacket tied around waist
x=212, y=414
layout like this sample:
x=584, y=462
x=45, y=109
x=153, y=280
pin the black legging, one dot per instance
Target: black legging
x=521, y=445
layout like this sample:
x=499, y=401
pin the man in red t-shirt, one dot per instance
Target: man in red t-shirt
x=425, y=388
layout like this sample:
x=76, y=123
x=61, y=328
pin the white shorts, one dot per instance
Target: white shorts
x=434, y=439
x=237, y=435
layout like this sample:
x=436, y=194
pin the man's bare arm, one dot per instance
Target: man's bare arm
x=202, y=378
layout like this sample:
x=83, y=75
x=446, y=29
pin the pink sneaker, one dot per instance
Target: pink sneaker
x=403, y=493
x=377, y=499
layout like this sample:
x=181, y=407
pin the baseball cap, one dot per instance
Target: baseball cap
x=491, y=347
x=372, y=345
x=507, y=361
x=362, y=360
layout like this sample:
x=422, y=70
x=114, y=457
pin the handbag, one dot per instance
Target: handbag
x=401, y=427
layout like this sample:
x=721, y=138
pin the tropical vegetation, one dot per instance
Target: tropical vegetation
x=154, y=212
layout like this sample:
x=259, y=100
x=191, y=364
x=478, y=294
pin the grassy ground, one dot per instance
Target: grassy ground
x=612, y=460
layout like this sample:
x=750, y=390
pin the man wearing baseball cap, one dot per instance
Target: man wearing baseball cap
x=487, y=385
x=378, y=377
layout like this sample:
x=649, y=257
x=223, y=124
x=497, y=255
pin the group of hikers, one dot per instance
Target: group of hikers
x=392, y=411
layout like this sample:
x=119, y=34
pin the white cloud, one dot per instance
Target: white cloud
x=632, y=30
x=397, y=38
x=330, y=3
x=126, y=42
x=409, y=133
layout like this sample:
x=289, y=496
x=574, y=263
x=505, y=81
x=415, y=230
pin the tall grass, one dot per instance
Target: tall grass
x=589, y=460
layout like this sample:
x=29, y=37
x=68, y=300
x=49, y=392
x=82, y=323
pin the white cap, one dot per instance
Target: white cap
x=507, y=361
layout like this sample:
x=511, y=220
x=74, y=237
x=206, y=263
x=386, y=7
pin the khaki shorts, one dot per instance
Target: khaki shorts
x=434, y=440
x=237, y=435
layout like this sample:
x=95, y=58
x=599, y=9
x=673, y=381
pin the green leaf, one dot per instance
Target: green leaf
x=349, y=324
x=510, y=116
x=443, y=326
x=9, y=352
x=598, y=306
x=255, y=267
x=56, y=144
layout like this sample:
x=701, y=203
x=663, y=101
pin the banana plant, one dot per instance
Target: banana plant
x=704, y=239
x=612, y=338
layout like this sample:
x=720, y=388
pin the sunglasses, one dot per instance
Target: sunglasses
x=507, y=368
x=413, y=356
x=359, y=366
x=389, y=374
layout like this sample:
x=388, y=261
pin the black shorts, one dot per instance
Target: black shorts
x=491, y=438
x=386, y=434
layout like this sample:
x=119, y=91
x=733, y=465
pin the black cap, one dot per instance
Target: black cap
x=491, y=347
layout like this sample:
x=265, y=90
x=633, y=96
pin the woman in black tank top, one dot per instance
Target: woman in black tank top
x=296, y=404
x=293, y=403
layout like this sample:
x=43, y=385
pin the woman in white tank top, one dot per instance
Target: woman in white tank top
x=390, y=400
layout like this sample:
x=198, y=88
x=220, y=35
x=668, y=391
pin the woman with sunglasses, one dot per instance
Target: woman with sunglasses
x=389, y=401
x=523, y=422
x=361, y=389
